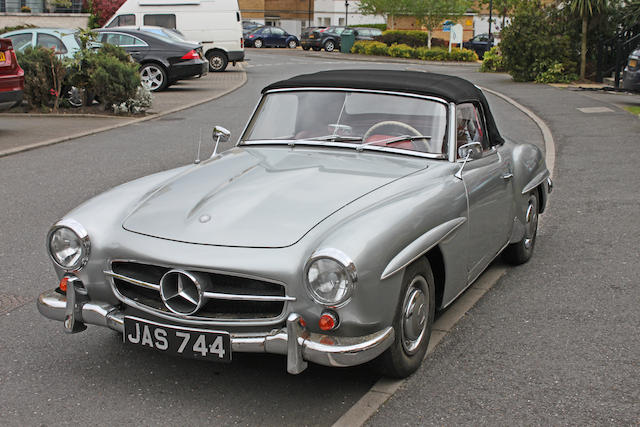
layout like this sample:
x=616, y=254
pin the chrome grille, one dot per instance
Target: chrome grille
x=230, y=298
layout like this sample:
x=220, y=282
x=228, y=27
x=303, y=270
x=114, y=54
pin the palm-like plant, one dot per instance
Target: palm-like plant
x=586, y=8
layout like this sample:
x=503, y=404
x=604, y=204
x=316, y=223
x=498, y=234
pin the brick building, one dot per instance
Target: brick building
x=292, y=15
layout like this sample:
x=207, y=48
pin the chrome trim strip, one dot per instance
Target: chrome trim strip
x=537, y=180
x=421, y=246
x=132, y=280
x=452, y=133
x=240, y=297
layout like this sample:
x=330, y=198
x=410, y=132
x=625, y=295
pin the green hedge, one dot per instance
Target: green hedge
x=492, y=61
x=381, y=27
x=411, y=38
x=406, y=51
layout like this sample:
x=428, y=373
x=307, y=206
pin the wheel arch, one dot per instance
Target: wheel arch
x=216, y=49
x=436, y=260
x=155, y=61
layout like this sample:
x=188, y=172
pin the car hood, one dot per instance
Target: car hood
x=263, y=196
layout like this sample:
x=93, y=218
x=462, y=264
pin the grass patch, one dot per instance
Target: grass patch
x=633, y=110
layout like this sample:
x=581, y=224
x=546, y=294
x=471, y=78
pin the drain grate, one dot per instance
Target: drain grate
x=10, y=302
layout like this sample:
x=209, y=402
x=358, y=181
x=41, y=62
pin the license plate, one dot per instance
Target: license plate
x=2, y=57
x=185, y=342
x=311, y=36
x=633, y=63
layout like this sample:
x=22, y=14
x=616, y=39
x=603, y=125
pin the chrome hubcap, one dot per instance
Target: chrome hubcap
x=257, y=43
x=414, y=315
x=532, y=223
x=329, y=46
x=151, y=77
x=292, y=44
x=215, y=62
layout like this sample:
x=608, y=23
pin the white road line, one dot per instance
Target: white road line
x=382, y=390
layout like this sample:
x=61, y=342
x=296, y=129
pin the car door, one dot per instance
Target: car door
x=136, y=47
x=279, y=37
x=49, y=41
x=488, y=183
x=267, y=38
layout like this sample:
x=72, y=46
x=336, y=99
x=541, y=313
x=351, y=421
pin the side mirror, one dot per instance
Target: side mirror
x=472, y=150
x=221, y=133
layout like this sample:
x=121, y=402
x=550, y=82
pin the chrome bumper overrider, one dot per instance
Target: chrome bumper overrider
x=76, y=311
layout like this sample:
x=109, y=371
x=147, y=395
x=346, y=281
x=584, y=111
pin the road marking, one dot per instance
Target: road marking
x=593, y=110
x=382, y=390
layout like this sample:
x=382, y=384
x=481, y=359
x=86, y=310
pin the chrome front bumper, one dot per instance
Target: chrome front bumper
x=76, y=311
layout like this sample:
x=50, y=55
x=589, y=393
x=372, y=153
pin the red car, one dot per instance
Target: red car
x=11, y=76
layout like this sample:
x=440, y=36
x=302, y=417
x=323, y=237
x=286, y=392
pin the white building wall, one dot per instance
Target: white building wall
x=332, y=12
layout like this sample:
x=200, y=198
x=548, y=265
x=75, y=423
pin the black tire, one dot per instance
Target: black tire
x=292, y=44
x=217, y=61
x=329, y=46
x=316, y=49
x=258, y=44
x=406, y=353
x=305, y=47
x=521, y=252
x=153, y=77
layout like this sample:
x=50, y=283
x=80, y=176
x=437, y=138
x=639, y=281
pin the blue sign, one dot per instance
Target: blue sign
x=446, y=27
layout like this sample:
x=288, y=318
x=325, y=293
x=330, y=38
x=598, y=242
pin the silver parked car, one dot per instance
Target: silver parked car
x=355, y=204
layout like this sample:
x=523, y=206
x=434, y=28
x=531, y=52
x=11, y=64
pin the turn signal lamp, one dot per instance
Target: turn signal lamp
x=328, y=321
x=191, y=55
x=63, y=284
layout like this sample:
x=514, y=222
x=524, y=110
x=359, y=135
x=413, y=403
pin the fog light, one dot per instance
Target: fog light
x=328, y=321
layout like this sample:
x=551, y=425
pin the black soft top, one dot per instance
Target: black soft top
x=450, y=88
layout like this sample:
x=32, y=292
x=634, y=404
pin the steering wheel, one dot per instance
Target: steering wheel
x=402, y=125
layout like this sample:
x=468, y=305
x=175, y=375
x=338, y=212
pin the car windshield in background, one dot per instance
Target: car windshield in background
x=165, y=34
x=366, y=120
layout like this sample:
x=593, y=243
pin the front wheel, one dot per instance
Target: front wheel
x=292, y=44
x=217, y=61
x=412, y=324
x=257, y=43
x=521, y=252
x=153, y=77
x=329, y=46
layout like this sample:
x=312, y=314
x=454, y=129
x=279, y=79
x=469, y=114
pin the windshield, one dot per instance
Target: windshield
x=366, y=120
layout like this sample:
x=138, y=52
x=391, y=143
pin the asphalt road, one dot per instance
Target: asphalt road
x=540, y=347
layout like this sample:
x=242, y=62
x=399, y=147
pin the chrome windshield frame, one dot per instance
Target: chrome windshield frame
x=312, y=143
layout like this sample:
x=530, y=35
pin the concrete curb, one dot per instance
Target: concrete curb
x=382, y=390
x=125, y=123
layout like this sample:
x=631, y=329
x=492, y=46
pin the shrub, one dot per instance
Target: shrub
x=17, y=27
x=359, y=47
x=401, y=51
x=112, y=79
x=462, y=55
x=136, y=105
x=376, y=48
x=43, y=74
x=103, y=10
x=25, y=9
x=534, y=39
x=492, y=61
x=412, y=38
x=554, y=72
x=381, y=27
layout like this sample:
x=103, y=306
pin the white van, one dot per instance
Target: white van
x=214, y=23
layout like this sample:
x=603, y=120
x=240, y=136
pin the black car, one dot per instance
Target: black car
x=270, y=37
x=631, y=76
x=162, y=60
x=480, y=44
x=329, y=38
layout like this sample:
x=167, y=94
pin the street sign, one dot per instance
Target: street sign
x=446, y=27
x=456, y=34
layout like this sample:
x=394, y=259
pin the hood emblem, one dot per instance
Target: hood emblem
x=204, y=218
x=182, y=292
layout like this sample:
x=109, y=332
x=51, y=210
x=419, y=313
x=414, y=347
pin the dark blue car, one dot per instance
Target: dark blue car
x=480, y=44
x=270, y=37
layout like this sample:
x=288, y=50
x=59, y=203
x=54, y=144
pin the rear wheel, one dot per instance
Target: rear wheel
x=217, y=61
x=292, y=44
x=412, y=324
x=329, y=46
x=153, y=77
x=521, y=252
x=316, y=49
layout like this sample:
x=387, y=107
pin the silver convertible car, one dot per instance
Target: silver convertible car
x=354, y=206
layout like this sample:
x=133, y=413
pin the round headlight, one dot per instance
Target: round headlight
x=69, y=245
x=330, y=277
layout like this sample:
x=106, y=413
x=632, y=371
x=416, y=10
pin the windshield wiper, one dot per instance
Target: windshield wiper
x=333, y=138
x=395, y=139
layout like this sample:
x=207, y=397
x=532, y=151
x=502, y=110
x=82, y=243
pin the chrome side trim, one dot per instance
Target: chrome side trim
x=537, y=180
x=240, y=297
x=452, y=136
x=421, y=246
x=132, y=280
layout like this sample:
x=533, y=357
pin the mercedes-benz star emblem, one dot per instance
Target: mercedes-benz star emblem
x=181, y=292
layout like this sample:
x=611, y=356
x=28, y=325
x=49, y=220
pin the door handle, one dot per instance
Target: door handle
x=507, y=176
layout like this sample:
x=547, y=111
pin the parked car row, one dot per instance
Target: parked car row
x=164, y=56
x=329, y=38
x=267, y=36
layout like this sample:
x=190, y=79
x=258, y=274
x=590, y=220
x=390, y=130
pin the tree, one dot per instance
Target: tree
x=503, y=7
x=586, y=8
x=386, y=8
x=431, y=13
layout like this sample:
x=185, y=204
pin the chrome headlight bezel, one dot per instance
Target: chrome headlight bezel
x=83, y=241
x=347, y=265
